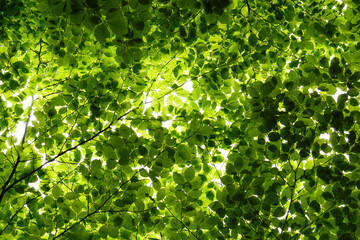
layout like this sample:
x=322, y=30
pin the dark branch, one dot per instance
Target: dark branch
x=97, y=209
x=182, y=223
x=7, y=188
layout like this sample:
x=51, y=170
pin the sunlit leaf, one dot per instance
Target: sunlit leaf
x=179, y=119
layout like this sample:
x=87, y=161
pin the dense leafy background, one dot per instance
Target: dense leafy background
x=136, y=105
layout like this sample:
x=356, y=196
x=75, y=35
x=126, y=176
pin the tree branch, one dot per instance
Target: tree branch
x=291, y=197
x=97, y=209
x=16, y=213
x=182, y=223
x=7, y=188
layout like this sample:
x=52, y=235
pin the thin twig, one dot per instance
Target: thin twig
x=97, y=209
x=181, y=223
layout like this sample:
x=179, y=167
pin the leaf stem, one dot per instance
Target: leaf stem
x=181, y=223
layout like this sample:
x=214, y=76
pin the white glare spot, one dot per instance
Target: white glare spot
x=338, y=92
x=325, y=136
x=166, y=124
x=20, y=128
x=36, y=185
x=188, y=86
x=147, y=102
x=224, y=153
x=155, y=115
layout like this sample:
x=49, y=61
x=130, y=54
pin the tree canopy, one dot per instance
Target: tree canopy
x=179, y=119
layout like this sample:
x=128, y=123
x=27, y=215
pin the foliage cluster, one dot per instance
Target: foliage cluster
x=136, y=105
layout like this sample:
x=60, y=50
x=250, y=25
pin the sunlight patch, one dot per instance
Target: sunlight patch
x=20, y=128
x=188, y=86
x=325, y=136
x=166, y=124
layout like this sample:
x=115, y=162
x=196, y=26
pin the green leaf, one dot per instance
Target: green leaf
x=176, y=224
x=253, y=92
x=212, y=221
x=179, y=119
x=143, y=150
x=139, y=25
x=103, y=231
x=224, y=18
x=353, y=92
x=161, y=194
x=71, y=195
x=101, y=33
x=298, y=207
x=136, y=53
x=159, y=135
x=49, y=200
x=274, y=136
x=57, y=192
x=327, y=196
x=178, y=178
x=271, y=198
x=210, y=195
x=308, y=67
x=189, y=174
x=123, y=153
x=145, y=2
x=113, y=232
x=227, y=179
x=18, y=110
x=182, y=154
x=109, y=152
x=194, y=125
x=125, y=234
x=263, y=33
x=279, y=212
x=96, y=165
x=52, y=113
x=237, y=159
x=315, y=205
x=118, y=27
x=266, y=89
x=111, y=163
x=324, y=236
x=205, y=130
x=252, y=40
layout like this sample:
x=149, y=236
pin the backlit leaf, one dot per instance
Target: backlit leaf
x=179, y=119
x=101, y=33
x=189, y=174
x=178, y=178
